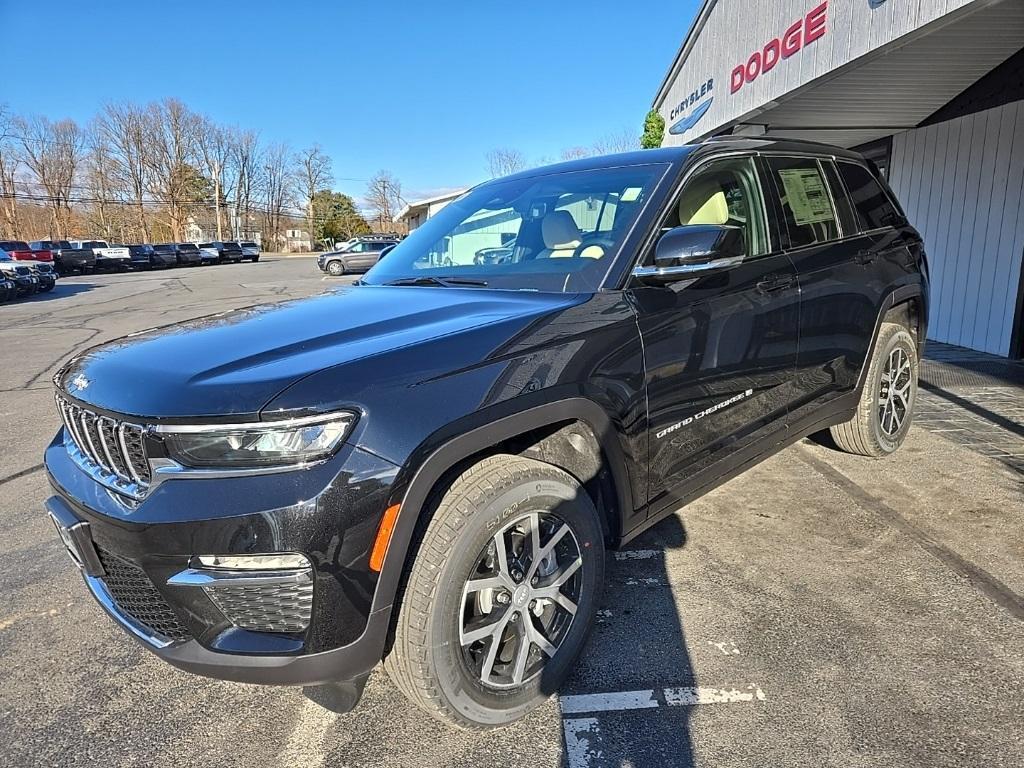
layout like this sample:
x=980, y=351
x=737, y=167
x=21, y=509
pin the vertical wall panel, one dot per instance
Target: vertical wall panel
x=962, y=184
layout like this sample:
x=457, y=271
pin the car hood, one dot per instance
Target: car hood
x=232, y=364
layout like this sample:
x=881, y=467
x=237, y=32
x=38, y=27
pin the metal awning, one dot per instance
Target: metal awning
x=896, y=87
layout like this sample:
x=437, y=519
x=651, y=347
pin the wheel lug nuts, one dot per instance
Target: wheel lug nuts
x=503, y=598
x=517, y=575
x=533, y=581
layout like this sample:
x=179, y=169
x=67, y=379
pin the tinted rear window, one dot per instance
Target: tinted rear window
x=188, y=247
x=14, y=245
x=873, y=206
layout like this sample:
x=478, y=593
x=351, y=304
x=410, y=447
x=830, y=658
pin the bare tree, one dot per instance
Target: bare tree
x=277, y=189
x=504, y=161
x=124, y=127
x=52, y=152
x=314, y=174
x=172, y=131
x=9, y=164
x=621, y=141
x=100, y=179
x=244, y=168
x=214, y=150
x=383, y=198
x=574, y=153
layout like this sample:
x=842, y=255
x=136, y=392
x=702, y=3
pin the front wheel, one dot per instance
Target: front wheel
x=335, y=268
x=501, y=594
x=886, y=405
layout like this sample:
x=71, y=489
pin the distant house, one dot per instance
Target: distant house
x=414, y=214
x=297, y=240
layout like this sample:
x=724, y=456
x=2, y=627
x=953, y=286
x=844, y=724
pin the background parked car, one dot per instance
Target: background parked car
x=250, y=250
x=66, y=258
x=107, y=256
x=19, y=250
x=8, y=290
x=166, y=254
x=26, y=282
x=144, y=257
x=208, y=255
x=356, y=256
x=188, y=254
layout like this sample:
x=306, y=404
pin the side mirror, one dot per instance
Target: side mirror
x=693, y=250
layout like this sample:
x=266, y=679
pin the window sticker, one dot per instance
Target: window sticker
x=806, y=195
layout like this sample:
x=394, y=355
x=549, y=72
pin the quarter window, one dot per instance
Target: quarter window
x=809, y=215
x=874, y=208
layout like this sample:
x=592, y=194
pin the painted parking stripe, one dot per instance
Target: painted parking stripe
x=686, y=696
x=584, y=743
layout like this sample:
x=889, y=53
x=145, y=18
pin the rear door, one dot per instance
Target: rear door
x=840, y=287
x=720, y=349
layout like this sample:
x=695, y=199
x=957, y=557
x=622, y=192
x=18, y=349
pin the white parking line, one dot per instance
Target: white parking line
x=637, y=554
x=583, y=741
x=305, y=747
x=673, y=697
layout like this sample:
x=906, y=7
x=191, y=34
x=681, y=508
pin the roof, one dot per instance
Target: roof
x=418, y=205
x=684, y=50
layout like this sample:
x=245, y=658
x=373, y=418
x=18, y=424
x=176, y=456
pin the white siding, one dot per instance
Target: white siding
x=962, y=184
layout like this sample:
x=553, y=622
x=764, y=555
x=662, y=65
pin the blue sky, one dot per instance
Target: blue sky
x=421, y=89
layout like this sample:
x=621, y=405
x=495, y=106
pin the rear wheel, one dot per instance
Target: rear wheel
x=501, y=594
x=886, y=405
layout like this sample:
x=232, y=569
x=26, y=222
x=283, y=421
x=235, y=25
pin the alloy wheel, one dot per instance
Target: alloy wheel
x=520, y=600
x=895, y=392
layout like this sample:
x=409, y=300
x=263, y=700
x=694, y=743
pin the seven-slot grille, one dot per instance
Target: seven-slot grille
x=116, y=447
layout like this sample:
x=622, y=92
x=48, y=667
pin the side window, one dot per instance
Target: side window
x=841, y=200
x=724, y=192
x=873, y=205
x=806, y=205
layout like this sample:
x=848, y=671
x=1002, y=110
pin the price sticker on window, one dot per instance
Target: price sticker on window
x=806, y=195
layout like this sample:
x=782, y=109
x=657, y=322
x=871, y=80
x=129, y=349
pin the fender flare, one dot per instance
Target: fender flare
x=478, y=439
x=894, y=298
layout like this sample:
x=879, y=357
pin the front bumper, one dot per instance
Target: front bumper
x=142, y=546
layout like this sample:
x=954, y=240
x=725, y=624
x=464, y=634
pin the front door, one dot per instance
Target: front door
x=720, y=349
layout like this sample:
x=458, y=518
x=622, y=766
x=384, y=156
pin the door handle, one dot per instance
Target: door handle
x=773, y=283
x=865, y=256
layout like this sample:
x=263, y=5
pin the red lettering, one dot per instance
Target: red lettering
x=736, y=80
x=792, y=40
x=770, y=57
x=814, y=23
x=753, y=66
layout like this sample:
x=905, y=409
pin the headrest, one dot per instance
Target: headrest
x=704, y=203
x=560, y=231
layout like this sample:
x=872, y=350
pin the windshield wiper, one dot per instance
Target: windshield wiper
x=446, y=282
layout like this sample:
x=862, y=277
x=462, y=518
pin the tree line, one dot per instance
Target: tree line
x=160, y=172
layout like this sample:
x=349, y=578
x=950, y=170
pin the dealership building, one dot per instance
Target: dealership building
x=931, y=90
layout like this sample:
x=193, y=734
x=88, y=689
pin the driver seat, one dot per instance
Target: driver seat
x=704, y=203
x=561, y=235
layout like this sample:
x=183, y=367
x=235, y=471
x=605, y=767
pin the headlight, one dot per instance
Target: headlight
x=294, y=441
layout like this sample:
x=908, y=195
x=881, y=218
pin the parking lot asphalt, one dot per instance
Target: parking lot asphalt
x=821, y=609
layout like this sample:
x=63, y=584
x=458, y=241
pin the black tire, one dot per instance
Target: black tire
x=874, y=431
x=426, y=659
x=255, y=259
x=336, y=268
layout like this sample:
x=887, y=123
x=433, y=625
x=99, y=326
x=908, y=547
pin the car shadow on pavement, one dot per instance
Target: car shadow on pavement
x=638, y=646
x=59, y=292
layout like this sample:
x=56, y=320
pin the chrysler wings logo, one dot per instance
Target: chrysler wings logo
x=691, y=119
x=80, y=382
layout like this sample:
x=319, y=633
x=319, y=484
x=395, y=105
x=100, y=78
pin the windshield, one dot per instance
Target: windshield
x=560, y=233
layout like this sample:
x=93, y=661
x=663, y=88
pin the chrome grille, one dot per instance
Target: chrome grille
x=114, y=451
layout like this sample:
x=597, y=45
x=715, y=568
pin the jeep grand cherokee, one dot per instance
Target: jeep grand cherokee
x=427, y=468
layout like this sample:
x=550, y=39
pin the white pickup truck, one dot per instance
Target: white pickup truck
x=107, y=257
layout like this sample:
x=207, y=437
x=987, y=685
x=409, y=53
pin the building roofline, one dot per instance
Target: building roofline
x=410, y=207
x=684, y=50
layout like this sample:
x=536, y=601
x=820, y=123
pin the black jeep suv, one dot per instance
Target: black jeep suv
x=427, y=467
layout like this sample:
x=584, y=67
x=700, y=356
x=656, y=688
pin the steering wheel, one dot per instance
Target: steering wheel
x=606, y=244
